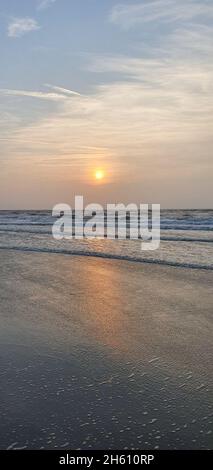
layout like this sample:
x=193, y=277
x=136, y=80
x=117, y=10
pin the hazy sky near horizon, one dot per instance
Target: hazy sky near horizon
x=125, y=87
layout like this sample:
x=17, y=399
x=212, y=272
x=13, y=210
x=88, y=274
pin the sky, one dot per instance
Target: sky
x=124, y=88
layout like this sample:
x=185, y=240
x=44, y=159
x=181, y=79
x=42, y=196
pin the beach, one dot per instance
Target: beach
x=98, y=353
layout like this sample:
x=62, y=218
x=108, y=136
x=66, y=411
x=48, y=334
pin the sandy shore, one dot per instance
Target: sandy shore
x=104, y=354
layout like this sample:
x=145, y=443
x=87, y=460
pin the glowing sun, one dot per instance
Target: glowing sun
x=99, y=175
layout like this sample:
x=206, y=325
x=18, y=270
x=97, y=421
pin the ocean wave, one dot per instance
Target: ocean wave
x=107, y=256
x=173, y=226
x=163, y=238
x=193, y=220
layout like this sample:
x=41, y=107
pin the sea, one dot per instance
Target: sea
x=186, y=238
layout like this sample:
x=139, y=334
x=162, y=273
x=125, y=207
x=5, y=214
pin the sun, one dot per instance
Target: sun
x=99, y=175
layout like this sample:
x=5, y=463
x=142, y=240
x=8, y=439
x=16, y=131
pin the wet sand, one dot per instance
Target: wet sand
x=101, y=354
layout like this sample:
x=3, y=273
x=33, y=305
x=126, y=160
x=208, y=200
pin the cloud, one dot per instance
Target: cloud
x=32, y=94
x=62, y=93
x=20, y=26
x=154, y=111
x=163, y=11
x=45, y=4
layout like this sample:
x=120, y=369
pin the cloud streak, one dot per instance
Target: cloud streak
x=60, y=94
x=63, y=91
x=159, y=11
x=20, y=26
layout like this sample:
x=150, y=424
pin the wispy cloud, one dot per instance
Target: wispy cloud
x=166, y=11
x=59, y=94
x=32, y=94
x=43, y=4
x=155, y=105
x=20, y=26
x=63, y=91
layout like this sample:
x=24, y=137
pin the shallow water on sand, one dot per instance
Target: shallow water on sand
x=104, y=354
